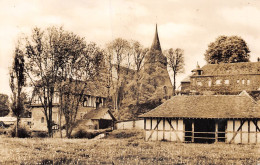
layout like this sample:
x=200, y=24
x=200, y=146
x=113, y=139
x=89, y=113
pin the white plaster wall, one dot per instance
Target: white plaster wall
x=252, y=134
x=258, y=133
x=125, y=125
x=148, y=124
x=160, y=126
x=180, y=130
x=139, y=124
x=238, y=136
x=168, y=134
x=229, y=134
x=245, y=133
x=154, y=123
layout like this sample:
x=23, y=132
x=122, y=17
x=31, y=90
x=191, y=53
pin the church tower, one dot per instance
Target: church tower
x=155, y=81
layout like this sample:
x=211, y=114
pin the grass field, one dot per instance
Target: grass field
x=122, y=150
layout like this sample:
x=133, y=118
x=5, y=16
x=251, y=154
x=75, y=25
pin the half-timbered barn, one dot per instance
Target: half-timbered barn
x=205, y=119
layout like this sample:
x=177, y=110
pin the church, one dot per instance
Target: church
x=155, y=81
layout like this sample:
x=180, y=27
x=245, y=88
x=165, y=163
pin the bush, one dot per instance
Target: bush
x=22, y=133
x=126, y=134
x=40, y=134
x=85, y=134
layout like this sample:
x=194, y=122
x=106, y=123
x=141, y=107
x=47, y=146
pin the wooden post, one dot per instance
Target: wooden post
x=144, y=123
x=241, y=133
x=192, y=131
x=216, y=131
x=163, y=128
x=248, y=121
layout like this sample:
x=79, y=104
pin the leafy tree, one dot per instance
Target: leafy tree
x=175, y=60
x=118, y=49
x=139, y=53
x=17, y=82
x=4, y=108
x=227, y=49
x=82, y=67
x=42, y=64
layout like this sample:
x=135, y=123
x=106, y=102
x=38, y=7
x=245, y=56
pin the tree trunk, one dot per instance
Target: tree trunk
x=17, y=127
x=174, y=83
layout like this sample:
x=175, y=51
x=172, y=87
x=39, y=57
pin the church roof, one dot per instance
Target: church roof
x=156, y=42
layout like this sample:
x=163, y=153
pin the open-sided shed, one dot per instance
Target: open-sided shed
x=197, y=118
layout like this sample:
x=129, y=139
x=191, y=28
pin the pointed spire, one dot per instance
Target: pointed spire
x=198, y=66
x=156, y=42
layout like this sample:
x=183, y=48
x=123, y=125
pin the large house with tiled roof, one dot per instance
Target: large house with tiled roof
x=204, y=118
x=225, y=78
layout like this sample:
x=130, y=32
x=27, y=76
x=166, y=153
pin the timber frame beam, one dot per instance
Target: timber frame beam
x=158, y=121
x=179, y=140
x=237, y=131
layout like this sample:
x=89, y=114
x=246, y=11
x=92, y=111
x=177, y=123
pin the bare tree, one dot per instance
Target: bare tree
x=17, y=82
x=175, y=60
x=118, y=49
x=139, y=54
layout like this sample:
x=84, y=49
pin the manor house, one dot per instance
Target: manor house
x=224, y=78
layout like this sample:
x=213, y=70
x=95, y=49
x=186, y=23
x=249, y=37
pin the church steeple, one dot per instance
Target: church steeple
x=156, y=42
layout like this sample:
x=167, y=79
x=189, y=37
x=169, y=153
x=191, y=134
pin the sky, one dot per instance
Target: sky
x=187, y=24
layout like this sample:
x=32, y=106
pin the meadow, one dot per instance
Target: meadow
x=122, y=148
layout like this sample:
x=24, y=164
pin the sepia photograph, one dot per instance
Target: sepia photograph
x=129, y=82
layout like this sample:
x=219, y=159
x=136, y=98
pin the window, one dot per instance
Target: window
x=85, y=102
x=226, y=82
x=199, y=83
x=56, y=97
x=243, y=81
x=248, y=82
x=29, y=123
x=29, y=114
x=238, y=81
x=42, y=120
x=209, y=83
x=218, y=82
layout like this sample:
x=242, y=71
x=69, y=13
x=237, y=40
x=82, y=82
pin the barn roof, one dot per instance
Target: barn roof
x=215, y=106
x=98, y=114
x=231, y=68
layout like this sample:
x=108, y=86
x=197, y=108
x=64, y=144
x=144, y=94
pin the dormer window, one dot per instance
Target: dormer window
x=226, y=82
x=209, y=83
x=218, y=82
x=199, y=72
x=199, y=83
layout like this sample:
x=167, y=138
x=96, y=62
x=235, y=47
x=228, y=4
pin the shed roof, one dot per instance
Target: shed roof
x=98, y=114
x=215, y=106
x=231, y=68
x=186, y=79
